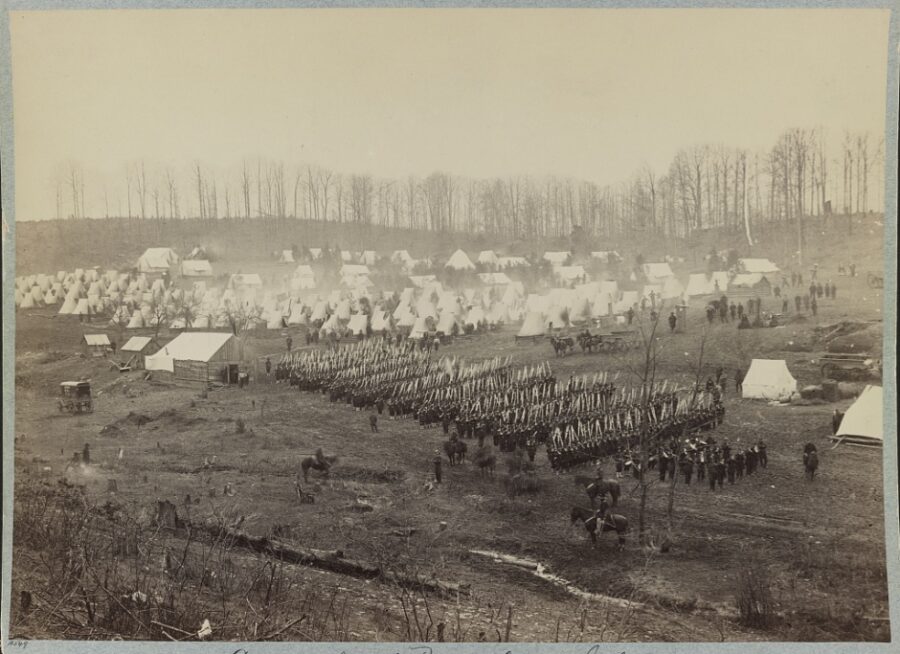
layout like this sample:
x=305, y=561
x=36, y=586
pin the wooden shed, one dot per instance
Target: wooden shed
x=96, y=345
x=133, y=352
x=201, y=357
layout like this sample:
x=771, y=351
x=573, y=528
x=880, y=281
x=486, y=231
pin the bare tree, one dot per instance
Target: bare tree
x=74, y=185
x=198, y=176
x=142, y=189
x=245, y=189
x=160, y=314
x=241, y=316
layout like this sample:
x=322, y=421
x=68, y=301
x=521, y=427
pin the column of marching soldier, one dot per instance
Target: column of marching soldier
x=580, y=421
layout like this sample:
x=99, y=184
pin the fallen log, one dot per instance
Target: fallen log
x=331, y=560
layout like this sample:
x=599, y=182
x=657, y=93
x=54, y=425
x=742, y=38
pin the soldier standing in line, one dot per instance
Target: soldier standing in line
x=437, y=466
x=720, y=472
x=687, y=469
x=762, y=454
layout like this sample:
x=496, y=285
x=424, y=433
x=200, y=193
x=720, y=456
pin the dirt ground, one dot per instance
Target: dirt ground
x=818, y=545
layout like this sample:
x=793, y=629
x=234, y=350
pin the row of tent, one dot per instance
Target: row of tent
x=566, y=307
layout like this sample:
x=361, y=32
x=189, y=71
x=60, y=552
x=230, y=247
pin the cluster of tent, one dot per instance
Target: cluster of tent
x=430, y=307
x=567, y=307
x=489, y=259
x=80, y=292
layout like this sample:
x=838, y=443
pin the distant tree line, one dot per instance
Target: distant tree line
x=704, y=187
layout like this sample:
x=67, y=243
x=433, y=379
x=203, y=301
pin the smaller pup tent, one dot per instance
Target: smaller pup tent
x=769, y=379
x=863, y=423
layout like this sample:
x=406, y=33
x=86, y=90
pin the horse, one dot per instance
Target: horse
x=318, y=462
x=589, y=341
x=455, y=450
x=561, y=345
x=486, y=461
x=810, y=463
x=600, y=487
x=608, y=522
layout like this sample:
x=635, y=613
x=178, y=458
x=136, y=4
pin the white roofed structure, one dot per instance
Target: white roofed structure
x=863, y=423
x=196, y=268
x=157, y=260
x=488, y=258
x=556, y=258
x=761, y=266
x=494, y=279
x=511, y=262
x=769, y=379
x=532, y=326
x=359, y=323
x=656, y=272
x=198, y=356
x=699, y=284
x=459, y=260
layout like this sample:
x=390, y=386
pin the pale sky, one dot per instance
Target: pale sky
x=592, y=94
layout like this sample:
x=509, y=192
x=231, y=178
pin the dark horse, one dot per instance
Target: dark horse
x=599, y=488
x=455, y=450
x=608, y=522
x=562, y=345
x=811, y=463
x=318, y=462
x=486, y=461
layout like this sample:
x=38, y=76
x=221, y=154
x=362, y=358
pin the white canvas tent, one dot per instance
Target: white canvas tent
x=156, y=260
x=358, y=324
x=380, y=321
x=446, y=322
x=555, y=318
x=287, y=256
x=556, y=258
x=196, y=268
x=761, y=266
x=533, y=325
x=137, y=320
x=672, y=288
x=657, y=272
x=401, y=256
x=420, y=328
x=475, y=316
x=488, y=257
x=459, y=260
x=720, y=281
x=699, y=284
x=494, y=279
x=571, y=273
x=863, y=423
x=27, y=302
x=512, y=262
x=769, y=379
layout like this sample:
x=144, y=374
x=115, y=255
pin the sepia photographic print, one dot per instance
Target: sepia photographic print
x=422, y=329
